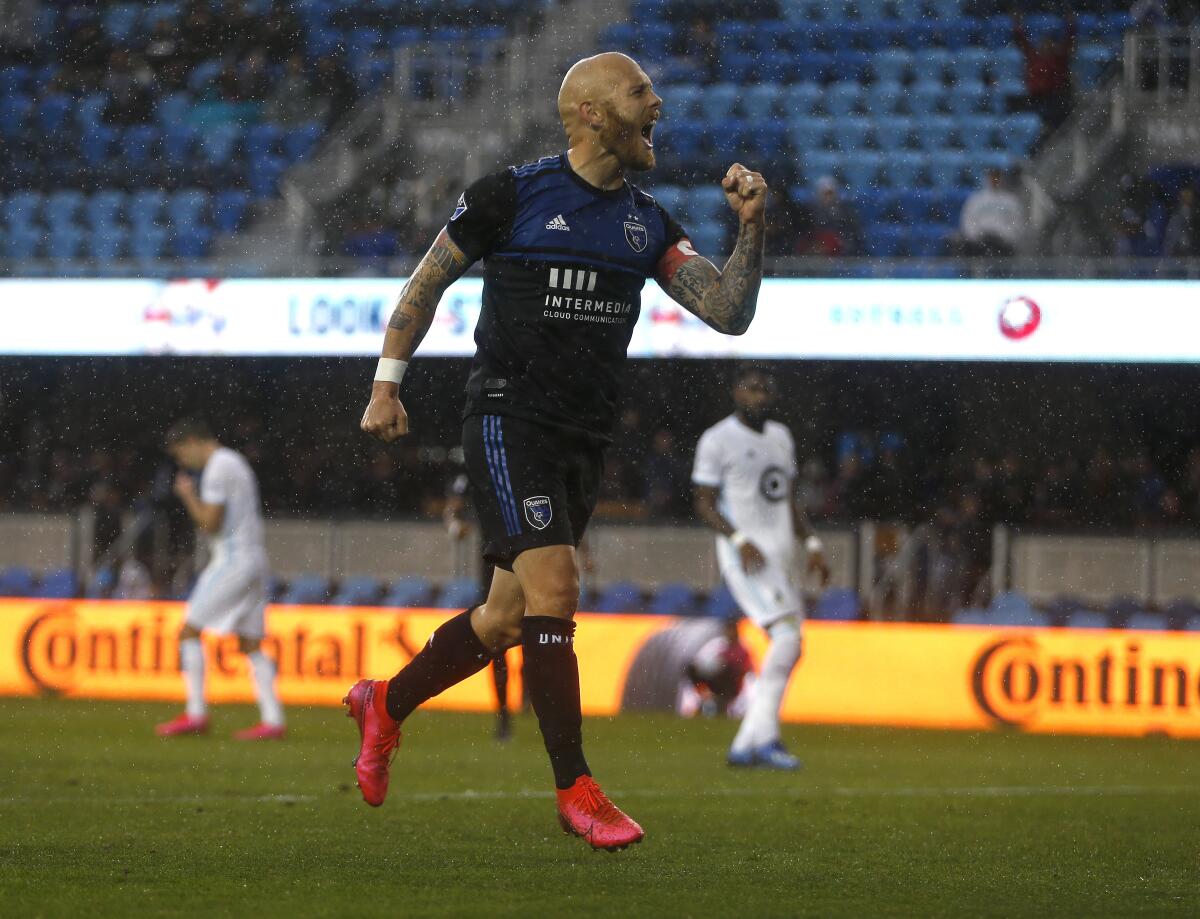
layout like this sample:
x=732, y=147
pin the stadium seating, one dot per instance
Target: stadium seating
x=59, y=584
x=884, y=97
x=358, y=591
x=620, y=597
x=673, y=600
x=410, y=591
x=837, y=604
x=306, y=589
x=720, y=603
x=460, y=593
x=16, y=582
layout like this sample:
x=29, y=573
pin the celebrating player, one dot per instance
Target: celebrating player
x=230, y=595
x=567, y=245
x=744, y=476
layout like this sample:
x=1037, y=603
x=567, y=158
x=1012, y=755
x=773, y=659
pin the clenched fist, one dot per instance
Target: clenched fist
x=746, y=192
x=385, y=418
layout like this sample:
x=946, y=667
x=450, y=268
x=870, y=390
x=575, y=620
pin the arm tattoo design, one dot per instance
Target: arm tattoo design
x=724, y=299
x=442, y=265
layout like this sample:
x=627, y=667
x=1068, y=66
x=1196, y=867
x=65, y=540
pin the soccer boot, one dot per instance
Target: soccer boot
x=262, y=732
x=585, y=811
x=184, y=724
x=742, y=759
x=775, y=756
x=379, y=737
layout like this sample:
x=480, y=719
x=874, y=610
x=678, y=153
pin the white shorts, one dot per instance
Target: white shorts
x=765, y=596
x=230, y=597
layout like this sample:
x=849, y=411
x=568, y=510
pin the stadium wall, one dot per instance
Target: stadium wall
x=903, y=675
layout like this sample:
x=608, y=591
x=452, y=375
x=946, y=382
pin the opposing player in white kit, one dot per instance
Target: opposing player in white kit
x=744, y=475
x=230, y=595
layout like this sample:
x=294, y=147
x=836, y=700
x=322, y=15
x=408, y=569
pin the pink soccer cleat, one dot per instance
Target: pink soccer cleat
x=379, y=737
x=262, y=732
x=184, y=724
x=585, y=811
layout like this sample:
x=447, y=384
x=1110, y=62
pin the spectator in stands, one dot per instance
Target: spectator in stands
x=334, y=84
x=164, y=57
x=369, y=238
x=832, y=228
x=993, y=220
x=1182, y=236
x=1047, y=72
x=292, y=101
x=129, y=98
x=666, y=478
x=698, y=44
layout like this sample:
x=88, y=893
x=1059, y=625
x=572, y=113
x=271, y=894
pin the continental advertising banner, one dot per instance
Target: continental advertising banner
x=931, y=676
x=967, y=320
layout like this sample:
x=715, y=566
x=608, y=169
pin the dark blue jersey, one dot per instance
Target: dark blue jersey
x=565, y=263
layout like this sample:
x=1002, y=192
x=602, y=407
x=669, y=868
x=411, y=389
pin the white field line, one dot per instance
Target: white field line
x=969, y=791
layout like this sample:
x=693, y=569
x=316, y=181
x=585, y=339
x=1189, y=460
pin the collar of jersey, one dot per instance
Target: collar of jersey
x=584, y=183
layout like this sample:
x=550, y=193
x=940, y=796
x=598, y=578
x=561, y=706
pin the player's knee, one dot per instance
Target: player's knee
x=786, y=644
x=557, y=596
x=188, y=632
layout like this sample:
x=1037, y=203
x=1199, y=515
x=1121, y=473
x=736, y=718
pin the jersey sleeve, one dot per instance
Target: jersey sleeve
x=215, y=482
x=484, y=215
x=677, y=249
x=708, y=469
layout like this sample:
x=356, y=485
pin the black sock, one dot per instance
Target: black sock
x=551, y=675
x=500, y=682
x=453, y=653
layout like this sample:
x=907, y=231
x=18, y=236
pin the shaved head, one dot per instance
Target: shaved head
x=605, y=103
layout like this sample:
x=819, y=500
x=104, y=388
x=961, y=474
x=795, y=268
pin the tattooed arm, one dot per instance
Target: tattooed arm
x=442, y=265
x=725, y=299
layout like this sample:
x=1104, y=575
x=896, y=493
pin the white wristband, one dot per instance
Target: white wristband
x=390, y=370
x=813, y=544
x=738, y=538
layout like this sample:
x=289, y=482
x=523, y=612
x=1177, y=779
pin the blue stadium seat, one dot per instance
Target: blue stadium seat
x=708, y=239
x=15, y=110
x=968, y=65
x=218, y=144
x=310, y=589
x=146, y=207
x=52, y=113
x=147, y=241
x=862, y=169
x=818, y=163
x=683, y=101
x=720, y=603
x=57, y=585
x=894, y=66
x=299, y=142
x=673, y=600
x=671, y=197
x=838, y=604
x=101, y=584
x=1017, y=133
x=851, y=133
x=967, y=98
x=65, y=241
x=362, y=590
x=720, y=100
x=22, y=242
x=885, y=240
x=928, y=240
x=884, y=99
x=264, y=175
x=187, y=208
x=23, y=209
x=460, y=593
x=191, y=241
x=1147, y=622
x=948, y=170
x=762, y=101
x=106, y=242
x=924, y=99
x=706, y=202
x=970, y=616
x=62, y=208
x=685, y=140
x=410, y=592
x=904, y=169
x=16, y=582
x=1087, y=619
x=893, y=133
x=801, y=99
x=1192, y=624
x=976, y=133
x=729, y=140
x=931, y=65
x=842, y=99
x=936, y=132
x=810, y=132
x=620, y=597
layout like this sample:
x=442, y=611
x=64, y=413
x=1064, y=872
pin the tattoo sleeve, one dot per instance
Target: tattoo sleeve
x=724, y=299
x=442, y=265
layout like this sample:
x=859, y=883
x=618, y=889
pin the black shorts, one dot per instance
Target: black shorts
x=532, y=485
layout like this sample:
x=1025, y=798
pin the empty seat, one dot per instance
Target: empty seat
x=883, y=99
x=720, y=603
x=851, y=133
x=1087, y=619
x=838, y=604
x=931, y=65
x=842, y=99
x=461, y=593
x=925, y=98
x=936, y=132
x=1147, y=622
x=362, y=590
x=1017, y=133
x=801, y=99
x=970, y=616
x=191, y=241
x=146, y=207
x=621, y=597
x=307, y=589
x=410, y=592
x=894, y=66
x=16, y=582
x=57, y=585
x=673, y=600
x=893, y=133
x=187, y=208
x=301, y=141
x=761, y=102
x=720, y=100
x=928, y=240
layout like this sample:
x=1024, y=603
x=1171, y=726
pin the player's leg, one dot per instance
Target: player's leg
x=759, y=731
x=271, y=724
x=204, y=608
x=499, y=671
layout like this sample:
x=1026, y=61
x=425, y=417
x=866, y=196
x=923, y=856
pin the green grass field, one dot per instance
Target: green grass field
x=100, y=818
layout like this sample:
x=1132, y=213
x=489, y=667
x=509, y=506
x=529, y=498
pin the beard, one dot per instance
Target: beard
x=623, y=138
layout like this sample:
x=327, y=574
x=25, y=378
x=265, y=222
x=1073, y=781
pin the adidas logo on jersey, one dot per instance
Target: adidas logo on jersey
x=558, y=224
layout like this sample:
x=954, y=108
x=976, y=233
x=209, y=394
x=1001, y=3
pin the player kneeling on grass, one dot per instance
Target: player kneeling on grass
x=230, y=597
x=567, y=245
x=744, y=475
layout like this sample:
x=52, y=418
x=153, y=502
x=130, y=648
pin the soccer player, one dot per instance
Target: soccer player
x=567, y=244
x=230, y=595
x=744, y=475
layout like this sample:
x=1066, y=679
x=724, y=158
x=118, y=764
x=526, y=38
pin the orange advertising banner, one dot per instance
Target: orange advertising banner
x=935, y=676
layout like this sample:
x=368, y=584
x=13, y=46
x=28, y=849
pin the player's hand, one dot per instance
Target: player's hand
x=385, y=418
x=817, y=563
x=752, y=559
x=746, y=192
x=184, y=487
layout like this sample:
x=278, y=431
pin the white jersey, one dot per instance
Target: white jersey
x=229, y=481
x=755, y=472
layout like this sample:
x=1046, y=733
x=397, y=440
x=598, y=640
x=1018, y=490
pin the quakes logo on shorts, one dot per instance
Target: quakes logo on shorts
x=538, y=512
x=773, y=484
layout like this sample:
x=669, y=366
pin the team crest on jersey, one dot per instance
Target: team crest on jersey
x=636, y=236
x=773, y=484
x=462, y=206
x=538, y=512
